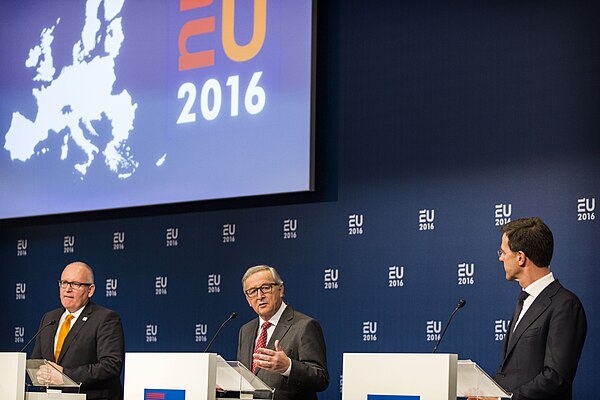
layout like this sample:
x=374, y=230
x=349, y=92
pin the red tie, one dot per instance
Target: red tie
x=262, y=341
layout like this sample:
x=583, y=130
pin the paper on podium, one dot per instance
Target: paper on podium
x=472, y=381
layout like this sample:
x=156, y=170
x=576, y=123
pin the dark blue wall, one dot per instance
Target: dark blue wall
x=462, y=113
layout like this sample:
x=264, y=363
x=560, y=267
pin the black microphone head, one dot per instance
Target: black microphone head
x=461, y=303
x=233, y=315
x=52, y=322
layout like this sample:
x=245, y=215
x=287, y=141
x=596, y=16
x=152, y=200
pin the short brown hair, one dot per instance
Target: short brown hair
x=531, y=236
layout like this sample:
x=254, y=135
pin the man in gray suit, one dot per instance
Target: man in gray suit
x=547, y=332
x=283, y=347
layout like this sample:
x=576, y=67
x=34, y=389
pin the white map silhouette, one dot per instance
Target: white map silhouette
x=81, y=94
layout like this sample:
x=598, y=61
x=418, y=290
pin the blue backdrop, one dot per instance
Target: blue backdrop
x=436, y=122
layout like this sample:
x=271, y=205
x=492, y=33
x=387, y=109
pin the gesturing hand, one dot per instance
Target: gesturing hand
x=272, y=360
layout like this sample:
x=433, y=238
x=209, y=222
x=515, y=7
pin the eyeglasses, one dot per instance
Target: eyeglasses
x=75, y=285
x=503, y=253
x=266, y=288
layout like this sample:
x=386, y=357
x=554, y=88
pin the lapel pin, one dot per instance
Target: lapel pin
x=84, y=319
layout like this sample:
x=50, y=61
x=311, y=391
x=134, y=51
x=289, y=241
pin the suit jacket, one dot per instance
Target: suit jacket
x=92, y=352
x=540, y=361
x=302, y=340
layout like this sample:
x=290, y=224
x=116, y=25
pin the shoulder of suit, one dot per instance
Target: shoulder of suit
x=54, y=314
x=555, y=289
x=92, y=307
x=297, y=315
x=250, y=324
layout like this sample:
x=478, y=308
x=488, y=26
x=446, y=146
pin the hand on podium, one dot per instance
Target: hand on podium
x=50, y=374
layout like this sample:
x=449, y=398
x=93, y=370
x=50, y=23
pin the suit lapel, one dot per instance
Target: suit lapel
x=51, y=335
x=249, y=346
x=74, y=331
x=537, y=308
x=282, y=327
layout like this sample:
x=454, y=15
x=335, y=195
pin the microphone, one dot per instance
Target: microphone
x=461, y=304
x=232, y=316
x=37, y=333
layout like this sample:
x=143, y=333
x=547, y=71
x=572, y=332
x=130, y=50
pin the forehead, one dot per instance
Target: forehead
x=75, y=273
x=504, y=240
x=258, y=278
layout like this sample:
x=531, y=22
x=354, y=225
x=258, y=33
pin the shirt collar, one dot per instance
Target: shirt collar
x=538, y=286
x=75, y=314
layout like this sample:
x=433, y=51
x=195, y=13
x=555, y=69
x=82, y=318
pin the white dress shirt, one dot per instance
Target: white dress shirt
x=534, y=291
x=274, y=321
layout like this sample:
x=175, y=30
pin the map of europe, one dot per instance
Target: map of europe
x=68, y=104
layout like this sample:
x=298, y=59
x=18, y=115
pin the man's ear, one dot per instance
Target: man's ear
x=522, y=258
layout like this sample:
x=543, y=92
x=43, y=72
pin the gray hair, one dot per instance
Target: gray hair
x=258, y=268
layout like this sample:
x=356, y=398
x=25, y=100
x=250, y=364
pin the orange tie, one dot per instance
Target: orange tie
x=64, y=330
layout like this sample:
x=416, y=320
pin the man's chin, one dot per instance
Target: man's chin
x=67, y=303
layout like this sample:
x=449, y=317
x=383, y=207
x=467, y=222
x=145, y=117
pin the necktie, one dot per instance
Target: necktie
x=262, y=341
x=62, y=334
x=518, y=310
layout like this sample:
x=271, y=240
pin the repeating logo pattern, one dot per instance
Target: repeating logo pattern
x=214, y=283
x=69, y=244
x=500, y=329
x=20, y=291
x=172, y=237
x=290, y=227
x=502, y=213
x=586, y=209
x=160, y=285
x=151, y=333
x=330, y=278
x=200, y=332
x=228, y=233
x=369, y=331
x=332, y=282
x=118, y=241
x=396, y=276
x=466, y=274
x=426, y=220
x=111, y=287
x=21, y=247
x=19, y=334
x=433, y=330
x=355, y=224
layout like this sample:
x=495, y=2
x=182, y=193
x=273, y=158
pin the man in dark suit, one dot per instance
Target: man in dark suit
x=85, y=341
x=288, y=352
x=547, y=332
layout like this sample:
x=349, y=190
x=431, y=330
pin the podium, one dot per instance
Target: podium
x=378, y=376
x=12, y=375
x=12, y=380
x=54, y=382
x=193, y=376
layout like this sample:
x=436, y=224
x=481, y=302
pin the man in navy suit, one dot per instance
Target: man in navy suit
x=92, y=351
x=547, y=332
x=290, y=354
